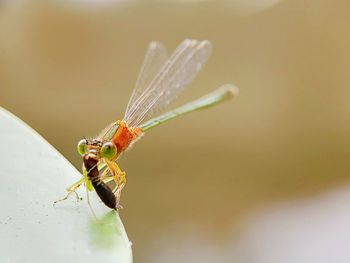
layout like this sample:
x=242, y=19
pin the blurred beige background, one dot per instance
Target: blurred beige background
x=67, y=68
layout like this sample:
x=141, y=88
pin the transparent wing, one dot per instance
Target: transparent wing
x=178, y=71
x=155, y=58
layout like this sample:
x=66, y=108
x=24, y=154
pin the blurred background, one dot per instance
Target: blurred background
x=264, y=178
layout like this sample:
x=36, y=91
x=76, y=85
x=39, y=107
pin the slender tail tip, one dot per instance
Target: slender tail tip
x=231, y=89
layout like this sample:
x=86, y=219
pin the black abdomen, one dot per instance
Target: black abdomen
x=103, y=190
x=105, y=193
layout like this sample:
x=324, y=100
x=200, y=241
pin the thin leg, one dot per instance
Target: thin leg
x=89, y=203
x=117, y=173
x=119, y=178
x=107, y=176
x=72, y=189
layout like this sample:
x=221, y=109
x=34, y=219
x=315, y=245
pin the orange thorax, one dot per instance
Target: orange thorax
x=124, y=136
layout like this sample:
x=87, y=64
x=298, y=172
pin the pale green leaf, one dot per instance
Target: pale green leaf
x=33, y=175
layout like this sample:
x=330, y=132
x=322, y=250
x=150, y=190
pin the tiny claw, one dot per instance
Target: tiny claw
x=77, y=196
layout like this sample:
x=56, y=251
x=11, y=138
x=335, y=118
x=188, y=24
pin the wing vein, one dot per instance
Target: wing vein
x=177, y=72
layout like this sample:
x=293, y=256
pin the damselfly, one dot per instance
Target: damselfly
x=160, y=80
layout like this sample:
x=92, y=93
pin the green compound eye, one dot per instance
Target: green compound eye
x=82, y=147
x=108, y=150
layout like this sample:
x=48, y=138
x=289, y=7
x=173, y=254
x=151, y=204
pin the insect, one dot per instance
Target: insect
x=160, y=80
